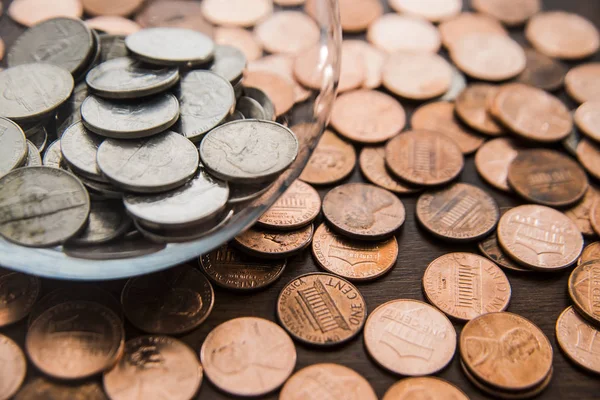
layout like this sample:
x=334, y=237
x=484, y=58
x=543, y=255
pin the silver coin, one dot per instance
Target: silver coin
x=229, y=62
x=182, y=235
x=125, y=78
x=111, y=47
x=205, y=100
x=234, y=116
x=64, y=42
x=130, y=120
x=79, y=148
x=157, y=164
x=39, y=137
x=249, y=151
x=42, y=206
x=101, y=190
x=33, y=91
x=198, y=200
x=171, y=46
x=33, y=156
x=13, y=146
x=458, y=85
x=251, y=108
x=69, y=112
x=107, y=221
x=242, y=193
x=131, y=246
x=92, y=61
x=238, y=89
x=264, y=101
x=53, y=156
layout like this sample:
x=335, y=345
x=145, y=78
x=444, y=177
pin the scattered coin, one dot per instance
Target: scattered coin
x=174, y=13
x=355, y=16
x=373, y=60
x=33, y=156
x=590, y=252
x=432, y=10
x=241, y=39
x=107, y=221
x=242, y=13
x=79, y=148
x=509, y=12
x=133, y=245
x=583, y=290
x=392, y=33
x=422, y=338
x=18, y=294
x=490, y=248
x=580, y=213
x=587, y=154
x=41, y=388
x=353, y=70
x=111, y=47
x=298, y=206
x=587, y=118
x=278, y=88
x=466, y=23
x=287, y=32
x=12, y=369
x=289, y=3
x=581, y=82
x=283, y=65
x=426, y=387
x=472, y=108
x=39, y=137
x=31, y=12
x=53, y=156
x=372, y=165
x=229, y=62
x=332, y=161
x=267, y=243
x=570, y=329
x=113, y=25
x=542, y=71
x=540, y=238
x=458, y=85
x=493, y=160
x=13, y=146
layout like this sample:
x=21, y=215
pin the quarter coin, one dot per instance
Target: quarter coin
x=372, y=165
x=466, y=23
x=79, y=149
x=298, y=206
x=432, y=10
x=472, y=108
x=509, y=12
x=493, y=160
x=20, y=292
x=427, y=387
x=393, y=32
x=287, y=32
x=581, y=82
x=107, y=221
x=583, y=290
x=248, y=356
x=576, y=338
x=41, y=388
x=12, y=369
x=13, y=146
x=542, y=71
x=31, y=12
x=332, y=160
x=267, y=243
x=321, y=309
x=244, y=13
x=409, y=337
x=590, y=252
x=580, y=212
x=587, y=118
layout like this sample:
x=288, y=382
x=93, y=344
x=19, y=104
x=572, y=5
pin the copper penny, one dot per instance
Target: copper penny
x=287, y=32
x=230, y=269
x=244, y=13
x=424, y=158
x=409, y=337
x=372, y=165
x=111, y=7
x=465, y=286
x=490, y=248
x=75, y=340
x=41, y=388
x=547, y=177
x=297, y=207
x=393, y=32
x=560, y=34
x=113, y=25
x=439, y=117
x=18, y=294
x=175, y=13
x=353, y=71
x=363, y=211
x=595, y=216
x=580, y=213
x=542, y=71
x=327, y=381
x=461, y=212
x=472, y=108
x=417, y=76
x=332, y=161
x=488, y=56
x=506, y=351
x=367, y=116
x=248, y=356
x=31, y=12
x=583, y=82
x=432, y=10
x=355, y=15
x=584, y=290
x=588, y=155
x=590, y=252
x=578, y=340
x=283, y=65
x=2, y=48
x=269, y=243
x=241, y=39
x=279, y=89
x=372, y=58
x=539, y=237
x=493, y=160
x=289, y=3
x=424, y=388
x=509, y=12
x=321, y=309
x=154, y=366
x=468, y=23
x=12, y=369
x=353, y=260
x=587, y=119
x=532, y=113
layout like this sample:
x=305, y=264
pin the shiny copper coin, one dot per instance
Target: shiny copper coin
x=363, y=211
x=12, y=369
x=542, y=71
x=532, y=113
x=31, y=12
x=465, y=286
x=367, y=116
x=539, y=237
x=584, y=290
x=244, y=13
x=583, y=82
x=174, y=13
x=431, y=10
x=297, y=207
x=588, y=155
x=230, y=269
x=409, y=337
x=580, y=213
x=472, y=108
x=332, y=161
x=509, y=12
x=461, y=212
x=578, y=340
x=424, y=158
x=439, y=117
x=490, y=248
x=506, y=351
x=372, y=165
x=424, y=388
x=269, y=243
x=248, y=356
x=154, y=366
x=2, y=48
x=587, y=119
x=321, y=309
x=353, y=71
x=493, y=160
x=372, y=58
x=287, y=32
x=560, y=34
x=18, y=294
x=393, y=32
x=326, y=381
x=111, y=7
x=595, y=217
x=590, y=252
x=468, y=23
x=75, y=340
x=547, y=177
x=283, y=65
x=41, y=388
x=355, y=15
x=113, y=25
x=289, y=3
x=279, y=89
x=241, y=39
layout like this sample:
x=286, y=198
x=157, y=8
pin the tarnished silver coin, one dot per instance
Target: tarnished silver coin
x=126, y=78
x=205, y=100
x=42, y=206
x=92, y=60
x=38, y=136
x=13, y=146
x=250, y=108
x=243, y=193
x=107, y=221
x=262, y=99
x=198, y=200
x=53, y=156
x=101, y=190
x=157, y=164
x=186, y=234
x=171, y=46
x=229, y=62
x=33, y=156
x=33, y=91
x=249, y=151
x=111, y=47
x=79, y=148
x=70, y=111
x=130, y=119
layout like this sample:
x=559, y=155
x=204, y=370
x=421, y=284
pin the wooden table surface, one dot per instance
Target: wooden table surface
x=538, y=297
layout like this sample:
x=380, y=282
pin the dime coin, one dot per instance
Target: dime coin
x=157, y=164
x=393, y=32
x=18, y=294
x=547, y=177
x=32, y=12
x=363, y=211
x=422, y=338
x=367, y=116
x=588, y=155
x=53, y=156
x=587, y=118
x=584, y=284
x=113, y=25
x=417, y=76
x=283, y=65
x=580, y=213
x=267, y=243
x=171, y=46
x=542, y=71
x=241, y=39
x=372, y=165
x=454, y=29
x=493, y=160
x=539, y=237
x=287, y=32
x=13, y=146
x=106, y=222
x=432, y=10
x=532, y=113
x=332, y=161
x=244, y=13
x=581, y=82
x=111, y=47
x=248, y=356
x=560, y=34
x=426, y=387
x=570, y=330
x=465, y=286
x=128, y=120
x=373, y=60
x=278, y=88
x=298, y=206
x=230, y=269
x=472, y=108
x=41, y=388
x=321, y=381
x=490, y=248
x=424, y=158
x=321, y=309
x=174, y=13
x=229, y=62
x=590, y=252
x=12, y=369
x=171, y=302
x=79, y=148
x=461, y=212
x=29, y=222
x=518, y=348
x=509, y=12
x=75, y=340
x=353, y=260
x=111, y=7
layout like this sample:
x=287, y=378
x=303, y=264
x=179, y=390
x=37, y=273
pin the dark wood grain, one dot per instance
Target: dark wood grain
x=539, y=297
